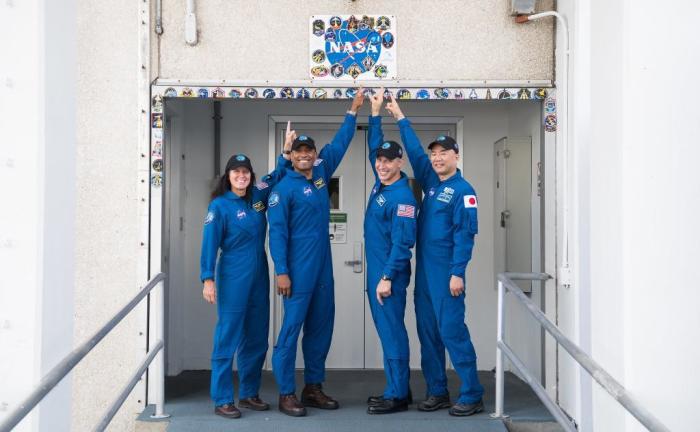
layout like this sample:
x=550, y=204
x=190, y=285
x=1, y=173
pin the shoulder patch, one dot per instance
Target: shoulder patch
x=262, y=185
x=405, y=210
x=318, y=162
x=380, y=200
x=274, y=199
x=470, y=201
x=209, y=218
x=319, y=183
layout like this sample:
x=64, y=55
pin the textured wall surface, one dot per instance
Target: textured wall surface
x=106, y=213
x=436, y=40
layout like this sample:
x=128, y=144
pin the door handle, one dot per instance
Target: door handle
x=357, y=262
x=504, y=215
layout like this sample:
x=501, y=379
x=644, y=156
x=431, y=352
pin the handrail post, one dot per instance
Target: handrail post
x=500, y=387
x=157, y=370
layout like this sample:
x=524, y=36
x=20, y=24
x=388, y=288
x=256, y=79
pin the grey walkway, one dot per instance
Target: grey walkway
x=187, y=400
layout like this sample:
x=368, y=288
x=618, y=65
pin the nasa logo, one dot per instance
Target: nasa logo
x=307, y=190
x=240, y=158
x=241, y=214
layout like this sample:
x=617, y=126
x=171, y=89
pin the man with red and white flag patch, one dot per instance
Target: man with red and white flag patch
x=390, y=233
x=447, y=225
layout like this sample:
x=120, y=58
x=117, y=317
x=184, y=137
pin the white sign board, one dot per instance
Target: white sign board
x=349, y=47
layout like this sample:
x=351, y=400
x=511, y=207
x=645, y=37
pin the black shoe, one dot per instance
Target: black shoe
x=434, y=403
x=463, y=410
x=374, y=400
x=388, y=406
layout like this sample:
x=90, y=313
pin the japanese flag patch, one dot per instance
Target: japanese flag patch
x=405, y=210
x=470, y=201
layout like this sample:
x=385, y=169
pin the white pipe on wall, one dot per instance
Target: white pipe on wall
x=564, y=277
x=191, y=24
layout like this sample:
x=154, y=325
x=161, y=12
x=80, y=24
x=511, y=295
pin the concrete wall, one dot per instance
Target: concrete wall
x=107, y=223
x=269, y=40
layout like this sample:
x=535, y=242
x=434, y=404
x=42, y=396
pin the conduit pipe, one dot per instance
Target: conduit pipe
x=564, y=276
x=190, y=24
x=159, y=17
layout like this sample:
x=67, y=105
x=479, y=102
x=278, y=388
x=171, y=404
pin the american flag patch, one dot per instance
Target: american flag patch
x=406, y=210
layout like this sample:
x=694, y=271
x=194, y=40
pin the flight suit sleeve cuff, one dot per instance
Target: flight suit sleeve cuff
x=458, y=272
x=206, y=275
x=389, y=273
x=281, y=271
x=404, y=122
x=375, y=120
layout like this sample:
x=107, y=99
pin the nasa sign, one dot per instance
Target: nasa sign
x=349, y=47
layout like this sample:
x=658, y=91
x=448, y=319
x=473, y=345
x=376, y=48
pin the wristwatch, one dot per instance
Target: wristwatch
x=386, y=278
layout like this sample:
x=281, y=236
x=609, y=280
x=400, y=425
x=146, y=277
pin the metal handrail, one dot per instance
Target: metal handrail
x=609, y=384
x=63, y=368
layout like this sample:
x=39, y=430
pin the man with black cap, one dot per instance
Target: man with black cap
x=299, y=209
x=447, y=224
x=390, y=233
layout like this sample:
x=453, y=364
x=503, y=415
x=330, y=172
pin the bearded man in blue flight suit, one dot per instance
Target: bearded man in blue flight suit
x=298, y=214
x=390, y=233
x=447, y=224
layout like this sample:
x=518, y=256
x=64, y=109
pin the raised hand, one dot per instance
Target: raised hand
x=289, y=137
x=377, y=100
x=358, y=100
x=394, y=108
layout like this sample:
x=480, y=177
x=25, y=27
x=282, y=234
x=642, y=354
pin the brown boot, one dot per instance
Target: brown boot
x=313, y=396
x=290, y=405
x=254, y=403
x=227, y=410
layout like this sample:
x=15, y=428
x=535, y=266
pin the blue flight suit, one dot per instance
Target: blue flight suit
x=390, y=233
x=447, y=224
x=238, y=228
x=299, y=245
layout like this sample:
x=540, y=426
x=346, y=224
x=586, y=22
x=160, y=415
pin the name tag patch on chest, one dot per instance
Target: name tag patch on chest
x=307, y=190
x=241, y=214
x=319, y=183
x=444, y=197
x=380, y=200
x=259, y=206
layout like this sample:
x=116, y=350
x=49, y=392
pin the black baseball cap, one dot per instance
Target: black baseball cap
x=238, y=160
x=390, y=150
x=303, y=140
x=446, y=142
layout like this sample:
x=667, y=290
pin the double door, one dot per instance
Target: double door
x=355, y=341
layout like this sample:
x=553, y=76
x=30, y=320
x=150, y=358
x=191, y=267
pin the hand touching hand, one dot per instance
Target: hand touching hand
x=394, y=108
x=358, y=100
x=377, y=100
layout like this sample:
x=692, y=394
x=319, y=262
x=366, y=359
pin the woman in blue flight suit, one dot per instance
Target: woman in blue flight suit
x=236, y=224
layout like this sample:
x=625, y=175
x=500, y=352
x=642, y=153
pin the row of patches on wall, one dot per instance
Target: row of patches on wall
x=350, y=92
